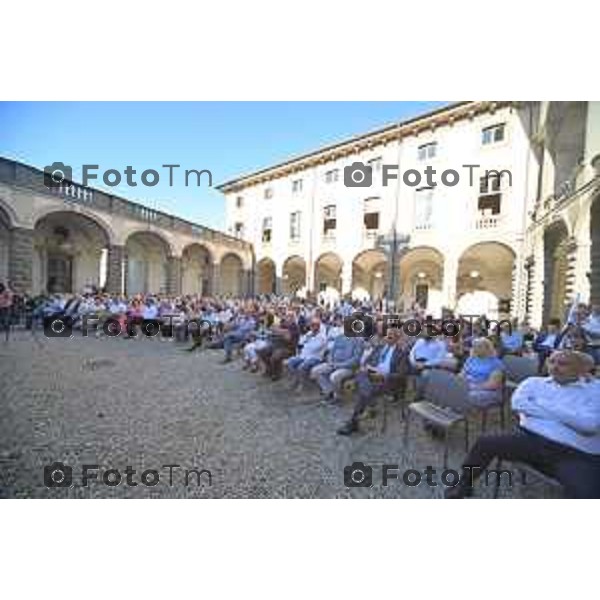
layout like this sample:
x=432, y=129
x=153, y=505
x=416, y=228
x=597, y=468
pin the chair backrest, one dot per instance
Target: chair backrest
x=519, y=368
x=446, y=389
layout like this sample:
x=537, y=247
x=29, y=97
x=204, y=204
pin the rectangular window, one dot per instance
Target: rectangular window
x=493, y=134
x=268, y=193
x=239, y=202
x=490, y=196
x=332, y=176
x=423, y=208
x=489, y=203
x=295, y=225
x=297, y=185
x=267, y=227
x=239, y=230
x=490, y=184
x=329, y=220
x=427, y=151
x=371, y=220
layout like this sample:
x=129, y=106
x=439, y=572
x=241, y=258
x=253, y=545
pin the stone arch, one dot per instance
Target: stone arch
x=70, y=252
x=594, y=274
x=100, y=221
x=370, y=275
x=328, y=276
x=6, y=225
x=147, y=266
x=196, y=269
x=485, y=278
x=267, y=276
x=231, y=274
x=556, y=247
x=421, y=278
x=294, y=275
x=10, y=216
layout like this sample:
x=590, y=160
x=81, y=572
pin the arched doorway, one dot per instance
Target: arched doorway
x=196, y=261
x=484, y=279
x=147, y=263
x=5, y=227
x=421, y=274
x=369, y=275
x=556, y=240
x=232, y=270
x=595, y=252
x=267, y=279
x=328, y=276
x=70, y=253
x=294, y=276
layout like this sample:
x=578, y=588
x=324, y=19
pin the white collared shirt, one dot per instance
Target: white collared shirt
x=150, y=312
x=565, y=413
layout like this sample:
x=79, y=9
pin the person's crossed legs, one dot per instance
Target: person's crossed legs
x=578, y=472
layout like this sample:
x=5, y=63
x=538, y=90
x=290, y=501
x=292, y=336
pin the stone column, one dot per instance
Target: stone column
x=174, y=275
x=248, y=282
x=347, y=277
x=20, y=259
x=529, y=281
x=594, y=253
x=449, y=282
x=215, y=279
x=114, y=270
x=255, y=281
x=570, y=291
x=279, y=278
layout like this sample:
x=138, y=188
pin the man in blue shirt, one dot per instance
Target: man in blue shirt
x=239, y=334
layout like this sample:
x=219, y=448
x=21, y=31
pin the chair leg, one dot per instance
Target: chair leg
x=502, y=417
x=467, y=436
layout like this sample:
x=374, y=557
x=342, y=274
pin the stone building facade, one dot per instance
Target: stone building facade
x=66, y=238
x=522, y=242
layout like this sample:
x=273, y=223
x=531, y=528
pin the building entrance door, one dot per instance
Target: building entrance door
x=59, y=274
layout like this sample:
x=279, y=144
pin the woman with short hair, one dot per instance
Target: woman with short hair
x=484, y=374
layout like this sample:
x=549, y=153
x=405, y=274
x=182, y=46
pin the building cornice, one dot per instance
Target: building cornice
x=381, y=137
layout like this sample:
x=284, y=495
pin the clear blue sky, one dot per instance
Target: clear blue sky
x=229, y=138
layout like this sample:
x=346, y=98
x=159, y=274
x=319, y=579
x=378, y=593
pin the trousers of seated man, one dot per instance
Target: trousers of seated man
x=369, y=387
x=577, y=471
x=273, y=357
x=330, y=378
x=299, y=368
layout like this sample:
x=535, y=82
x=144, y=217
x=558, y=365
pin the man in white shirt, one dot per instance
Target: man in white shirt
x=313, y=348
x=150, y=311
x=559, y=431
x=429, y=352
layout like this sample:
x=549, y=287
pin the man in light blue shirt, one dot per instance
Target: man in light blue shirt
x=559, y=431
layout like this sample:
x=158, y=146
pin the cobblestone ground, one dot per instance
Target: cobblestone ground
x=147, y=403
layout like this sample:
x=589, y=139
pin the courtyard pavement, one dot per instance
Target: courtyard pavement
x=147, y=403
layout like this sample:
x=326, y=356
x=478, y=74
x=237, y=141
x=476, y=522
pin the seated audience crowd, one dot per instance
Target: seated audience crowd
x=307, y=342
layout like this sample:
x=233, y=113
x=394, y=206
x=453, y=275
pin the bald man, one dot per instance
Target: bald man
x=558, y=433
